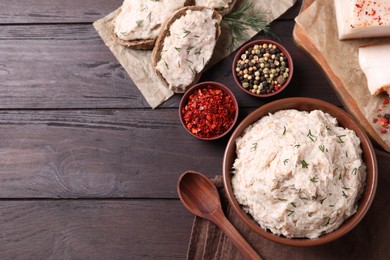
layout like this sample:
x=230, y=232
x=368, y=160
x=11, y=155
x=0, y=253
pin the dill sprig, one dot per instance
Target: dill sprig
x=243, y=18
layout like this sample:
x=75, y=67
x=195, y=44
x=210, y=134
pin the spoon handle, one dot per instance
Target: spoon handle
x=232, y=233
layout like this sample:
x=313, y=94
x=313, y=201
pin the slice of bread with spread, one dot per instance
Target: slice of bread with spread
x=185, y=45
x=137, y=23
x=222, y=6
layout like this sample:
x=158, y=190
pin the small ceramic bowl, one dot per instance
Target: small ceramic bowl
x=262, y=68
x=344, y=120
x=208, y=110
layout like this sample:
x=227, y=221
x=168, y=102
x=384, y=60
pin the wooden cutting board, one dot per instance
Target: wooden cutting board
x=302, y=39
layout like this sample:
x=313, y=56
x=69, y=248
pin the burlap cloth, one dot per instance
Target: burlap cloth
x=370, y=239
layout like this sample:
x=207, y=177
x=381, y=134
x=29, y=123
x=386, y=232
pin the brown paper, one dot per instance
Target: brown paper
x=319, y=23
x=137, y=62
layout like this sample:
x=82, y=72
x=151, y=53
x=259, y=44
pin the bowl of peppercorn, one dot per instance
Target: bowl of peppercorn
x=262, y=68
x=208, y=110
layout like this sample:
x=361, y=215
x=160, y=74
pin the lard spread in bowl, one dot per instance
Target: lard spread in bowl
x=300, y=171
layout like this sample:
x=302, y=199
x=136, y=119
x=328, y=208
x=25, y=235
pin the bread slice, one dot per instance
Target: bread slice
x=182, y=62
x=215, y=5
x=144, y=43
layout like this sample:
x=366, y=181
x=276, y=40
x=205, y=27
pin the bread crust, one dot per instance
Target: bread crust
x=138, y=44
x=224, y=11
x=156, y=53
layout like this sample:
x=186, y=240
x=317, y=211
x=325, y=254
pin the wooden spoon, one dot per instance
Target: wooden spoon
x=199, y=195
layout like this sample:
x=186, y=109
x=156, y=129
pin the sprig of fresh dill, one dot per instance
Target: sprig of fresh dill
x=241, y=19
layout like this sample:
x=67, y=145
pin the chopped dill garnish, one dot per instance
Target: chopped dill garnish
x=327, y=222
x=189, y=49
x=297, y=145
x=339, y=140
x=311, y=136
x=178, y=49
x=139, y=22
x=344, y=195
x=314, y=179
x=290, y=212
x=254, y=146
x=285, y=161
x=354, y=171
x=282, y=199
x=322, y=201
x=304, y=164
x=294, y=205
x=186, y=33
x=284, y=130
x=322, y=148
x=193, y=71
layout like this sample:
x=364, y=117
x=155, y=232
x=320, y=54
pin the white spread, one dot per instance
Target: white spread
x=216, y=4
x=298, y=173
x=188, y=47
x=142, y=19
x=362, y=18
x=374, y=61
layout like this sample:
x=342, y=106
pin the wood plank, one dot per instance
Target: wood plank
x=103, y=154
x=85, y=229
x=55, y=11
x=68, y=66
x=70, y=11
x=99, y=154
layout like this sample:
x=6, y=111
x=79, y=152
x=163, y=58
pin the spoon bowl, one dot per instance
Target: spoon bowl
x=200, y=196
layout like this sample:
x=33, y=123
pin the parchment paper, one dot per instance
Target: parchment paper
x=319, y=23
x=137, y=62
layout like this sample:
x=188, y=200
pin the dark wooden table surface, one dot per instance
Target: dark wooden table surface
x=87, y=169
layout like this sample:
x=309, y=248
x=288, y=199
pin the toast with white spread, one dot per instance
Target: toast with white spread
x=185, y=46
x=222, y=6
x=137, y=23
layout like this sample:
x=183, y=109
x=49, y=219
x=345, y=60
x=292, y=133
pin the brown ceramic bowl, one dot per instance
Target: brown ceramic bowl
x=196, y=88
x=261, y=42
x=344, y=120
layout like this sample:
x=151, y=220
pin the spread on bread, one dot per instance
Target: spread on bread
x=186, y=46
x=362, y=18
x=215, y=4
x=139, y=20
x=374, y=61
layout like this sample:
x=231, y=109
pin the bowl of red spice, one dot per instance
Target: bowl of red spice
x=262, y=68
x=208, y=110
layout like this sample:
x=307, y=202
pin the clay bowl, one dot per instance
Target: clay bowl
x=289, y=65
x=203, y=111
x=344, y=120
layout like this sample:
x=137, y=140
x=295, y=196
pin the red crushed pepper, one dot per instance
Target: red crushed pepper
x=209, y=112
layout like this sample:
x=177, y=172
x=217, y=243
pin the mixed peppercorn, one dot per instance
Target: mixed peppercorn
x=383, y=119
x=209, y=112
x=262, y=69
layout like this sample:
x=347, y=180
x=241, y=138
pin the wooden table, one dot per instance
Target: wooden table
x=87, y=169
